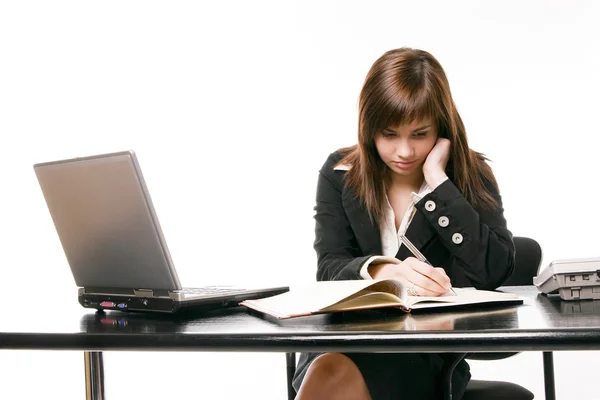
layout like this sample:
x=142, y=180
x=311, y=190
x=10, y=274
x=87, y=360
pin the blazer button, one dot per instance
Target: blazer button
x=429, y=205
x=443, y=221
x=457, y=238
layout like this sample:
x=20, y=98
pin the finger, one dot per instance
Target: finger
x=417, y=290
x=426, y=286
x=429, y=285
x=437, y=275
x=441, y=274
x=409, y=277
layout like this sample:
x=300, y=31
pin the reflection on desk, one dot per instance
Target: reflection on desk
x=569, y=313
x=496, y=317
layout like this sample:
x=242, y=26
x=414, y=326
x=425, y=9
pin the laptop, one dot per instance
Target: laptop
x=109, y=231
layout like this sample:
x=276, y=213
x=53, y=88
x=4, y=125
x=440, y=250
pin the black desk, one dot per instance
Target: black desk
x=541, y=324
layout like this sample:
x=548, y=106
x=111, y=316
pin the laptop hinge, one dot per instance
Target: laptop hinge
x=151, y=293
x=143, y=292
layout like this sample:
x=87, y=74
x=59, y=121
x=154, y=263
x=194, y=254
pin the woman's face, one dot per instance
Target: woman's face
x=404, y=148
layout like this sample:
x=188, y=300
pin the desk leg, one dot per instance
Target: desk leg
x=94, y=375
x=290, y=359
x=549, y=375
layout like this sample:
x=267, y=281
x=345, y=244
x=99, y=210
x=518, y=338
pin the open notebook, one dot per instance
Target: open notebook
x=335, y=296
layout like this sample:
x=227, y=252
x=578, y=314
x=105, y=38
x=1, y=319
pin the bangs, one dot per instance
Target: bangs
x=402, y=105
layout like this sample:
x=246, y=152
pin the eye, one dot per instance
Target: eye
x=421, y=134
x=388, y=134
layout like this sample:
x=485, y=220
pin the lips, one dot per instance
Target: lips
x=404, y=164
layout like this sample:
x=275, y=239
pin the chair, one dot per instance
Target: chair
x=528, y=260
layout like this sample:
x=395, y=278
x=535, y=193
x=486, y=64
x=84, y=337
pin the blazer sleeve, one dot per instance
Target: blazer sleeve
x=338, y=255
x=478, y=239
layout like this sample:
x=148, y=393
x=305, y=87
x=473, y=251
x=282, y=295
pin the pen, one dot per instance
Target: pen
x=413, y=249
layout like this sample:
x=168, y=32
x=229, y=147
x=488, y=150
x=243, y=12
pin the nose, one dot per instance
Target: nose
x=404, y=150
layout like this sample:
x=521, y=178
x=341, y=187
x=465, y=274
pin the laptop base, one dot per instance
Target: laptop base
x=168, y=305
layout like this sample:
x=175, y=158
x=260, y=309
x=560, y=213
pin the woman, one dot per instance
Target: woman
x=412, y=173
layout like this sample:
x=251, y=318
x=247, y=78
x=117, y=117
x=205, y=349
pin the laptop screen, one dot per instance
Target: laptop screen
x=106, y=223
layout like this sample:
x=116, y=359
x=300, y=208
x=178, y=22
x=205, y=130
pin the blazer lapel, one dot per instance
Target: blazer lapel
x=419, y=232
x=367, y=233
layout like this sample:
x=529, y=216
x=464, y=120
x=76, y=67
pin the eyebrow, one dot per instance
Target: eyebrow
x=413, y=131
x=421, y=128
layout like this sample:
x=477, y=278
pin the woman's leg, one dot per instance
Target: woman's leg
x=333, y=376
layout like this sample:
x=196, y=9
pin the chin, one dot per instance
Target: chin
x=405, y=172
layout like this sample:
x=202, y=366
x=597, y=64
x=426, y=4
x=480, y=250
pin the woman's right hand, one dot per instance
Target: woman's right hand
x=427, y=280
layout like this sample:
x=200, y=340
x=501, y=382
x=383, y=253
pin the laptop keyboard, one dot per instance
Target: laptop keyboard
x=210, y=290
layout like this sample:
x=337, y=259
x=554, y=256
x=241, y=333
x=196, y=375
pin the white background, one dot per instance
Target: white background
x=232, y=107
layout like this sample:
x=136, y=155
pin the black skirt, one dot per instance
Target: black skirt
x=398, y=376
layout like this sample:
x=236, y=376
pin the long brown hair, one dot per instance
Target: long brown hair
x=402, y=86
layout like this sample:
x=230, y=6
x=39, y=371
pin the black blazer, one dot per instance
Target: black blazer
x=482, y=253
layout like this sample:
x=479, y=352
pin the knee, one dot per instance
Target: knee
x=333, y=369
x=333, y=376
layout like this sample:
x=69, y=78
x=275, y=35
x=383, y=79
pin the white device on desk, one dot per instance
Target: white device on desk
x=573, y=279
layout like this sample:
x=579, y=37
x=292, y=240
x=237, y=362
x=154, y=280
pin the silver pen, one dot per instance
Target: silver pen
x=413, y=249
